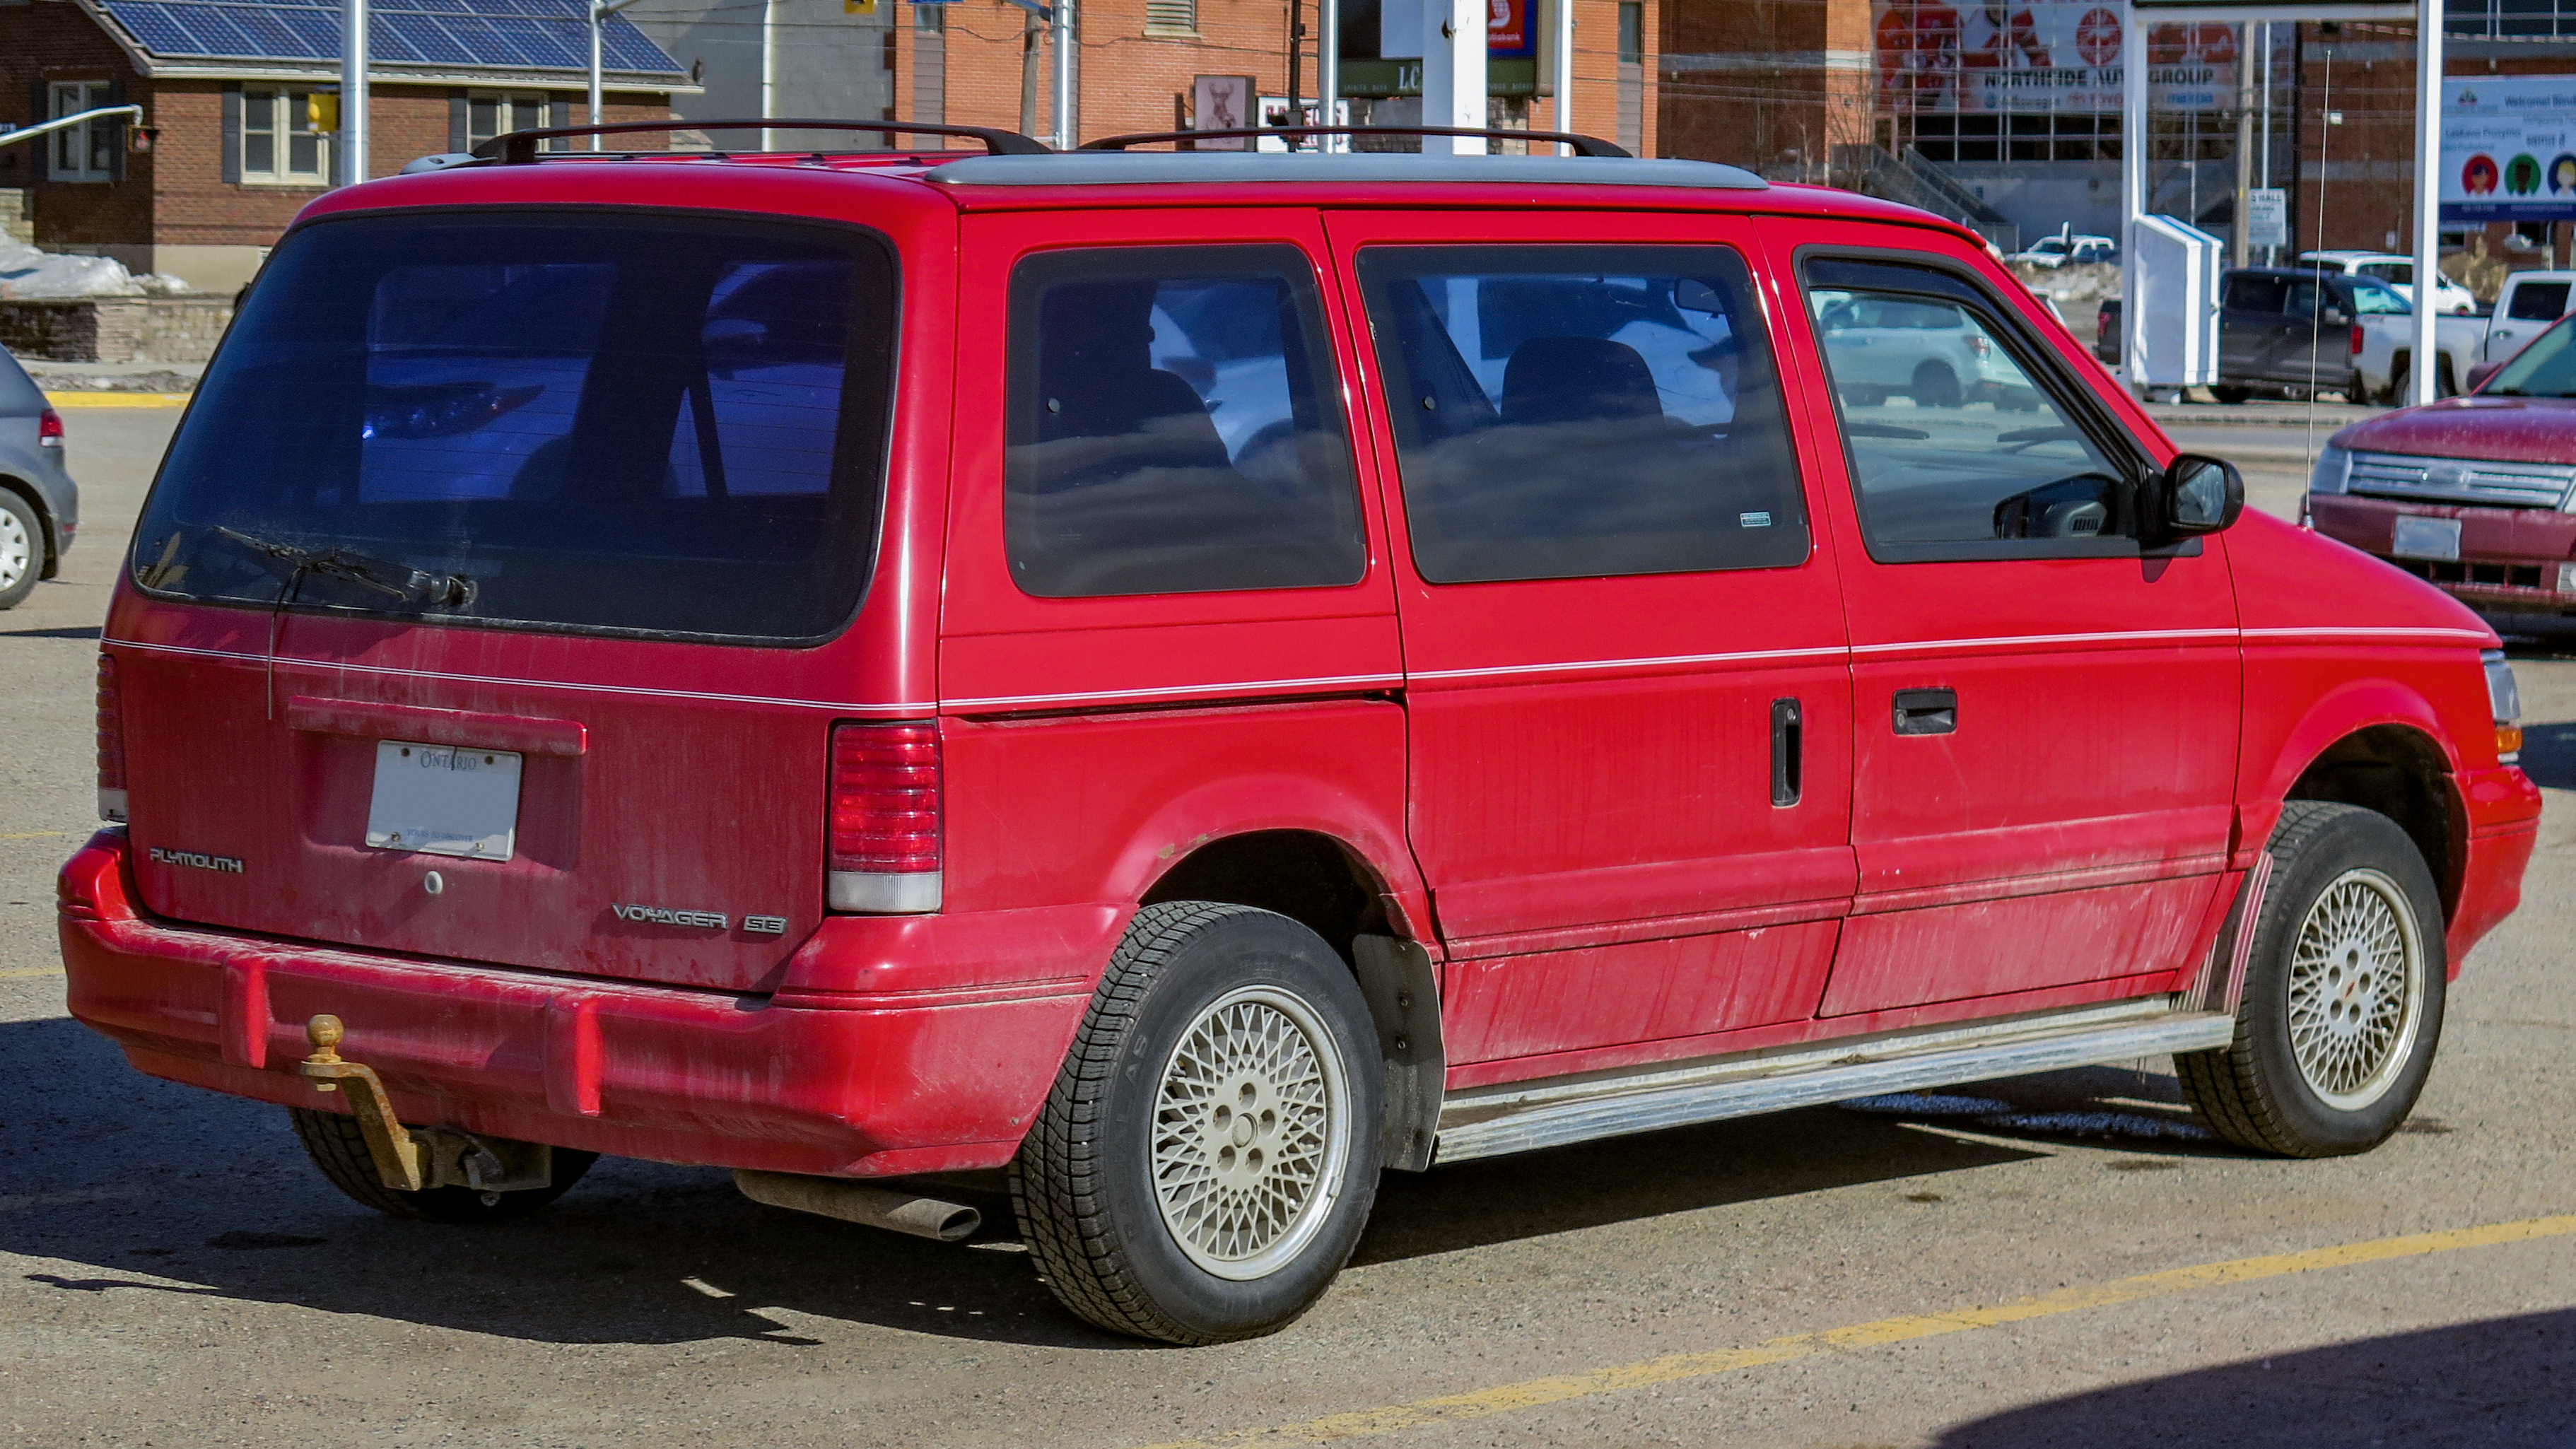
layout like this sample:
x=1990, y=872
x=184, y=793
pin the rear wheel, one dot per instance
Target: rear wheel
x=2231, y=393
x=2343, y=993
x=1934, y=386
x=22, y=549
x=337, y=1147
x=1208, y=1157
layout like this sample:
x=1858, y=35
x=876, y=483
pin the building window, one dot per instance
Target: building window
x=86, y=152
x=2040, y=136
x=498, y=113
x=280, y=144
x=1171, y=17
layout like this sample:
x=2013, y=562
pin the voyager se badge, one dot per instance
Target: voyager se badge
x=662, y=916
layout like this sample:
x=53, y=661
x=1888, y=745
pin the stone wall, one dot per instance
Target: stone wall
x=115, y=329
x=17, y=216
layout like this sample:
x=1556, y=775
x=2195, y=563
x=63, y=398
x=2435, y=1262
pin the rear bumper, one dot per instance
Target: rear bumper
x=2508, y=559
x=849, y=1086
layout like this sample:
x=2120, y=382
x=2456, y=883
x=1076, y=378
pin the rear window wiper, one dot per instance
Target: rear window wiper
x=383, y=576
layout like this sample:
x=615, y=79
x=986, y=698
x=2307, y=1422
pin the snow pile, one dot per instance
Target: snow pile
x=27, y=272
x=2075, y=282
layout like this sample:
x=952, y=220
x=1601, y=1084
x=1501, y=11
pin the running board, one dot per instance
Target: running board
x=1524, y=1116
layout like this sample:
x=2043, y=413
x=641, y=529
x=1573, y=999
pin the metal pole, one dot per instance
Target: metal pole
x=1296, y=53
x=1066, y=123
x=2242, y=248
x=2428, y=193
x=1031, y=27
x=768, y=67
x=1453, y=74
x=598, y=18
x=353, y=93
x=2133, y=183
x=1328, y=72
x=1564, y=70
x=2271, y=254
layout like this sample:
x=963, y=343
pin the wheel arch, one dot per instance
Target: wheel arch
x=2380, y=746
x=48, y=527
x=1333, y=888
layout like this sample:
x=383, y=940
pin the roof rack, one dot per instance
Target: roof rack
x=1583, y=145
x=519, y=148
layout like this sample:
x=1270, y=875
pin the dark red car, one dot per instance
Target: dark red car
x=2473, y=492
x=1168, y=684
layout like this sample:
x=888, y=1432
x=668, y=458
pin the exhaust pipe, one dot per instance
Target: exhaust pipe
x=863, y=1203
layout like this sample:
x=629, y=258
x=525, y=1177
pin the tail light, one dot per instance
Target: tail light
x=49, y=429
x=885, y=845
x=2356, y=341
x=111, y=744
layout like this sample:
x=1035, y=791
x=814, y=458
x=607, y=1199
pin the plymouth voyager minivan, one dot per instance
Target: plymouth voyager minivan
x=1183, y=681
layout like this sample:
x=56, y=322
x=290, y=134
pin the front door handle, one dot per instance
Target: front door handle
x=1788, y=752
x=1927, y=711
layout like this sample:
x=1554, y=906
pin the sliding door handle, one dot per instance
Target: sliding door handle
x=1927, y=711
x=1788, y=751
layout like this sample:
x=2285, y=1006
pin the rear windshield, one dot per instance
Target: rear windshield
x=664, y=425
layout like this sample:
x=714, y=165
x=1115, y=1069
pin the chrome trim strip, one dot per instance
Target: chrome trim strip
x=1150, y=692
x=2459, y=480
x=838, y=706
x=1524, y=1118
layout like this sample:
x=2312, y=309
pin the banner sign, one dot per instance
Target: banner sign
x=2509, y=148
x=2043, y=55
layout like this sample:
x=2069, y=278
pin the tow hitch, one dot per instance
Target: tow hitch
x=411, y=1159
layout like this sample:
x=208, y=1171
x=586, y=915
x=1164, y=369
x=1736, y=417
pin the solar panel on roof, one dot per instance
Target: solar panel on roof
x=499, y=34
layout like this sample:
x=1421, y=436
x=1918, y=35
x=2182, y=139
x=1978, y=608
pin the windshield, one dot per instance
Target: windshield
x=657, y=424
x=2546, y=368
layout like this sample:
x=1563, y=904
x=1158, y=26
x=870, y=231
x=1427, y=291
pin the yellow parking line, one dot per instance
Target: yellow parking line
x=117, y=399
x=37, y=834
x=31, y=971
x=1534, y=1393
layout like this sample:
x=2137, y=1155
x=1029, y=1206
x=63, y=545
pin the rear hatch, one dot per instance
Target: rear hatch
x=482, y=590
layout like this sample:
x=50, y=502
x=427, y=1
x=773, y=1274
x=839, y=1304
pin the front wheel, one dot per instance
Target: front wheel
x=2232, y=394
x=2343, y=992
x=1209, y=1154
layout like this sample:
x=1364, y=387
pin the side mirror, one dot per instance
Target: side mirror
x=2479, y=372
x=2199, y=495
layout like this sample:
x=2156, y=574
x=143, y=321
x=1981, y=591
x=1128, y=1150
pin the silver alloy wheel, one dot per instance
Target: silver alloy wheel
x=1252, y=1133
x=17, y=551
x=2356, y=989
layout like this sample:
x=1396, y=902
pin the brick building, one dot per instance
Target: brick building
x=227, y=149
x=1136, y=61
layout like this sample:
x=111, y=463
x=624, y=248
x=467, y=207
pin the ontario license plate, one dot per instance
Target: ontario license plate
x=2427, y=537
x=445, y=800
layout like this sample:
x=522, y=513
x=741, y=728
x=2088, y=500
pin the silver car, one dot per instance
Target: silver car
x=39, y=503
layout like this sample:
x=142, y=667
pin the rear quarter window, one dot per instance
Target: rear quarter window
x=636, y=423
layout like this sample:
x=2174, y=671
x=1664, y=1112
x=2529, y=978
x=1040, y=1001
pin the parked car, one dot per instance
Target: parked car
x=2284, y=331
x=2470, y=493
x=2058, y=251
x=39, y=503
x=2398, y=272
x=1170, y=684
x=1933, y=355
x=2384, y=348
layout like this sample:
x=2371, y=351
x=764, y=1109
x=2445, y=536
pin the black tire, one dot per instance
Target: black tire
x=1934, y=386
x=335, y=1144
x=1085, y=1185
x=22, y=549
x=2254, y=1092
x=2399, y=383
x=2231, y=393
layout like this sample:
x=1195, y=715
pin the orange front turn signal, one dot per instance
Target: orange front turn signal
x=2508, y=743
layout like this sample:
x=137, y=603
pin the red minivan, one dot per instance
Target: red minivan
x=1180, y=681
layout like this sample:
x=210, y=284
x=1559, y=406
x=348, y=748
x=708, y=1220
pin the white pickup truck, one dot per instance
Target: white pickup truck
x=2384, y=347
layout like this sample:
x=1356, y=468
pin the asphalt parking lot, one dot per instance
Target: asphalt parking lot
x=2046, y=1261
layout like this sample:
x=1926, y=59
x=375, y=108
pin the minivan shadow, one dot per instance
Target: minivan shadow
x=129, y=1185
x=2498, y=1381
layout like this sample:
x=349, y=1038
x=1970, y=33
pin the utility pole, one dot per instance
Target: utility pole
x=2428, y=194
x=600, y=10
x=1328, y=72
x=353, y=92
x=2242, y=248
x=1067, y=125
x=1565, y=71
